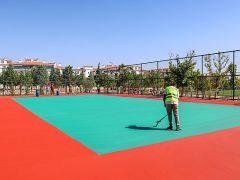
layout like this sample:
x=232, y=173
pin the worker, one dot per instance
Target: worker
x=52, y=89
x=170, y=99
x=98, y=89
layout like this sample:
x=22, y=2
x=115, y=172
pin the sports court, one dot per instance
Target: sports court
x=112, y=137
x=107, y=124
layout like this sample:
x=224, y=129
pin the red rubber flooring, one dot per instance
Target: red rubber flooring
x=31, y=149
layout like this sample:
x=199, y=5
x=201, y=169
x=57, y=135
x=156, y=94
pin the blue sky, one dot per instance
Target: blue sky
x=118, y=31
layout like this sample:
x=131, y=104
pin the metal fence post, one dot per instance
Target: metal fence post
x=128, y=87
x=158, y=76
x=177, y=73
x=141, y=80
x=202, y=77
x=233, y=84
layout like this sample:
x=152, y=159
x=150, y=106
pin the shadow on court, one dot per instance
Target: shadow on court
x=144, y=128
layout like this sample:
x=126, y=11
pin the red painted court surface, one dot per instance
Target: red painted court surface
x=32, y=149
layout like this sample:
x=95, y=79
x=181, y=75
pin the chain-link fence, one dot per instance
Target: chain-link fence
x=215, y=75
x=11, y=88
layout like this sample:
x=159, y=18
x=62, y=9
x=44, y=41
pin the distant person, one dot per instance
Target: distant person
x=170, y=99
x=98, y=89
x=52, y=89
x=47, y=89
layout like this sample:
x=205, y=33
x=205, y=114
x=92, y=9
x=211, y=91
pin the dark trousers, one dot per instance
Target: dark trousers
x=172, y=108
x=52, y=91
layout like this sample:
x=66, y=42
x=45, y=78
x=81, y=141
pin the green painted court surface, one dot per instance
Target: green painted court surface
x=106, y=124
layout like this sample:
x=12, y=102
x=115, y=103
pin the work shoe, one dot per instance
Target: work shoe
x=178, y=128
x=170, y=128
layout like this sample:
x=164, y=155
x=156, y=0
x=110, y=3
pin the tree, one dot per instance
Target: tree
x=98, y=74
x=207, y=84
x=182, y=71
x=238, y=83
x=3, y=82
x=55, y=77
x=40, y=77
x=21, y=81
x=123, y=77
x=10, y=78
x=68, y=78
x=134, y=82
x=28, y=81
x=220, y=63
x=232, y=69
x=208, y=64
x=99, y=77
x=153, y=80
x=217, y=77
x=79, y=80
x=89, y=83
x=195, y=82
x=106, y=81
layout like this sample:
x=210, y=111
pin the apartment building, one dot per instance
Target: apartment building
x=4, y=62
x=28, y=64
x=85, y=70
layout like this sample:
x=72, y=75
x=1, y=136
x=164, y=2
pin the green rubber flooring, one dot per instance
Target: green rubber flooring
x=107, y=124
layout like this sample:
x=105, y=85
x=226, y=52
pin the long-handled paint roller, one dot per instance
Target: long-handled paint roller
x=159, y=121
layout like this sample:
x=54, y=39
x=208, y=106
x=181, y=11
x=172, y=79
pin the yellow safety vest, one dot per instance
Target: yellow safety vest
x=172, y=94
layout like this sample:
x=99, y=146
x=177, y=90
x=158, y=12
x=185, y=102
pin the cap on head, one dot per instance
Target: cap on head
x=171, y=83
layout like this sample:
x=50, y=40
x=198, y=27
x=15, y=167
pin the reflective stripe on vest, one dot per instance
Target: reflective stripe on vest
x=171, y=94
